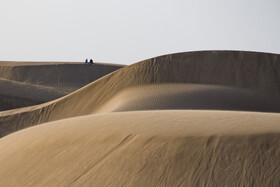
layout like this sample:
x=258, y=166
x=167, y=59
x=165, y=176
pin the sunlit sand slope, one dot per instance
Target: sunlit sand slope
x=244, y=72
x=151, y=148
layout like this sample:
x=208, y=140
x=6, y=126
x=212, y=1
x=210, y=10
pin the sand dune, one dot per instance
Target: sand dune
x=258, y=72
x=40, y=82
x=207, y=118
x=152, y=148
x=68, y=76
x=14, y=94
x=189, y=96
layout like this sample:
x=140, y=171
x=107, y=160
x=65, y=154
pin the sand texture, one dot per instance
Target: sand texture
x=208, y=118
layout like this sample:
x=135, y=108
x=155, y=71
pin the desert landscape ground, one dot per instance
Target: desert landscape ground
x=206, y=118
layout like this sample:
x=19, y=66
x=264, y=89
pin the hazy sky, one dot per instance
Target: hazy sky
x=127, y=31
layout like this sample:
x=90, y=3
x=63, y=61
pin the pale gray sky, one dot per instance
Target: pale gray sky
x=127, y=31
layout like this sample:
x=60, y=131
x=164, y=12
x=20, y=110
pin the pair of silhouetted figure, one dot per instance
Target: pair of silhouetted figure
x=90, y=62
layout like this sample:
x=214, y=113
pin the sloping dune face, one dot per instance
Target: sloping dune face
x=256, y=72
x=29, y=83
x=148, y=148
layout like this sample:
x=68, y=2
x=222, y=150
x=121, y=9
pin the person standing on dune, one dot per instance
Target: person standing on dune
x=86, y=61
x=90, y=62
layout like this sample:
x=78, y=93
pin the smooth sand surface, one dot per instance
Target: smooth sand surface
x=48, y=80
x=206, y=118
x=146, y=148
x=189, y=96
x=14, y=94
x=68, y=76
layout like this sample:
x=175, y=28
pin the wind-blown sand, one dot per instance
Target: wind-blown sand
x=199, y=119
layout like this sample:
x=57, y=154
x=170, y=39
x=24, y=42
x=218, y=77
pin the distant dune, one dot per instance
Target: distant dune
x=209, y=118
x=40, y=82
x=16, y=94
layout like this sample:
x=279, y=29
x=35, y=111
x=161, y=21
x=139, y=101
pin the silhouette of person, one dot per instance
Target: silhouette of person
x=90, y=62
x=86, y=61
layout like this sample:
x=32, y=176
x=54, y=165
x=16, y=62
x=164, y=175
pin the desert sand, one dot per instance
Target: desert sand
x=29, y=83
x=207, y=118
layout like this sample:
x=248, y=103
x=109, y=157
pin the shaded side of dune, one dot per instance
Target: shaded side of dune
x=68, y=76
x=189, y=97
x=14, y=94
x=259, y=72
x=31, y=83
x=8, y=102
